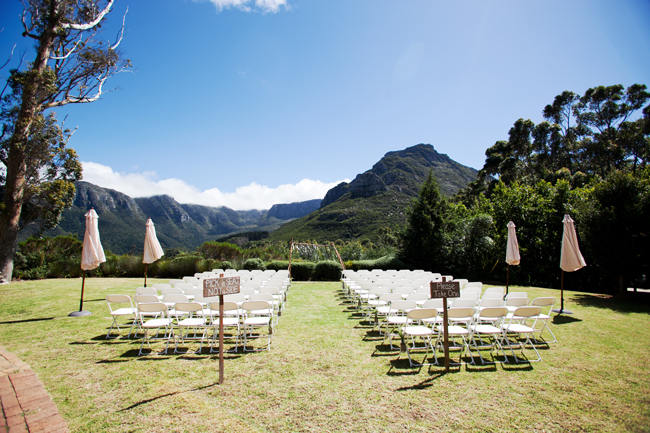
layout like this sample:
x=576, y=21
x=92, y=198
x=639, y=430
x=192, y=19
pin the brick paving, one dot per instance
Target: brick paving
x=26, y=405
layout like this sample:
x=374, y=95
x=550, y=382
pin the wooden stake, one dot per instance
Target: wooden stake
x=446, y=333
x=220, y=339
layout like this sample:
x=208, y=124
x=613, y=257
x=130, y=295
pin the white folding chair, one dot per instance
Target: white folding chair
x=120, y=306
x=146, y=291
x=397, y=319
x=544, y=316
x=231, y=322
x=494, y=292
x=517, y=332
x=487, y=331
x=417, y=329
x=459, y=330
x=189, y=322
x=158, y=322
x=258, y=315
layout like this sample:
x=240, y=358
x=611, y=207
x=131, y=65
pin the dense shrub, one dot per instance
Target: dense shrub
x=301, y=271
x=389, y=262
x=206, y=265
x=177, y=267
x=278, y=265
x=356, y=265
x=220, y=250
x=254, y=263
x=326, y=271
x=226, y=265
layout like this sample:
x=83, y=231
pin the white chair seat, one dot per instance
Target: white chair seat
x=518, y=328
x=417, y=330
x=456, y=330
x=486, y=329
x=126, y=311
x=157, y=323
x=192, y=322
x=257, y=321
x=227, y=321
x=385, y=310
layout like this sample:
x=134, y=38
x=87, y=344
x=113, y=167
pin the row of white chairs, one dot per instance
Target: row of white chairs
x=492, y=329
x=183, y=321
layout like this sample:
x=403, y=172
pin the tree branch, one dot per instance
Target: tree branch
x=119, y=41
x=72, y=50
x=80, y=99
x=91, y=24
x=11, y=54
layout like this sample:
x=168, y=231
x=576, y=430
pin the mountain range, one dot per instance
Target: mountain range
x=184, y=226
x=375, y=202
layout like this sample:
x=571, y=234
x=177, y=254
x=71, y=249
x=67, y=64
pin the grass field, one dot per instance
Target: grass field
x=326, y=372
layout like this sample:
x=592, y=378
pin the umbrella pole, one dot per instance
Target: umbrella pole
x=507, y=278
x=81, y=311
x=145, y=275
x=562, y=310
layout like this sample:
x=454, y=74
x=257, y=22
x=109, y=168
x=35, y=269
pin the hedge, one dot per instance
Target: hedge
x=326, y=271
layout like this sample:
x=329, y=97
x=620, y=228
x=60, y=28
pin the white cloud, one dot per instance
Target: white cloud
x=251, y=196
x=249, y=5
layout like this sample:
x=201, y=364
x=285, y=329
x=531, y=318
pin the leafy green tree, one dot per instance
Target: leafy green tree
x=220, y=251
x=422, y=241
x=70, y=66
x=616, y=229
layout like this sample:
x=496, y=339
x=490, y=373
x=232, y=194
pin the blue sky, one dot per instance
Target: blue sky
x=246, y=103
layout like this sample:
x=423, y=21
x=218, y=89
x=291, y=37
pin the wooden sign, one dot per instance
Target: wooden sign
x=448, y=289
x=220, y=286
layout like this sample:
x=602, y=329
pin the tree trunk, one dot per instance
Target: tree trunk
x=17, y=163
x=10, y=218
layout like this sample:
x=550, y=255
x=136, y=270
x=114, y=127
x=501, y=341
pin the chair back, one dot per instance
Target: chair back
x=422, y=313
x=256, y=305
x=523, y=312
x=187, y=307
x=152, y=307
x=493, y=312
x=543, y=302
x=146, y=299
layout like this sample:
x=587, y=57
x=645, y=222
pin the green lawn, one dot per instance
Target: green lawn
x=326, y=372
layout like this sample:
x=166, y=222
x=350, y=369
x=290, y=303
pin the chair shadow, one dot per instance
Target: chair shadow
x=403, y=365
x=169, y=394
x=384, y=350
x=11, y=322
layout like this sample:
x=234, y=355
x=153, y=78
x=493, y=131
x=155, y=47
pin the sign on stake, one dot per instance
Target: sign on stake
x=219, y=287
x=444, y=290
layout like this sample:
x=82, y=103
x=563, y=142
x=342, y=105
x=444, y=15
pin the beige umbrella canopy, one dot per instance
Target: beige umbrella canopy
x=152, y=249
x=512, y=251
x=570, y=258
x=92, y=254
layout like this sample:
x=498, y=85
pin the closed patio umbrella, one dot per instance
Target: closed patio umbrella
x=512, y=252
x=92, y=254
x=152, y=249
x=571, y=258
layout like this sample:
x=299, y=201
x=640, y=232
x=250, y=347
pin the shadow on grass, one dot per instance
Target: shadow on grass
x=562, y=319
x=373, y=335
x=629, y=303
x=384, y=350
x=427, y=383
x=401, y=367
x=11, y=322
x=169, y=394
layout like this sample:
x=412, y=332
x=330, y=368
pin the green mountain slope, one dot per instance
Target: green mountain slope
x=122, y=219
x=378, y=198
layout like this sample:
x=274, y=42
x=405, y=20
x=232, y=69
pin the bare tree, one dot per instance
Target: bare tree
x=71, y=66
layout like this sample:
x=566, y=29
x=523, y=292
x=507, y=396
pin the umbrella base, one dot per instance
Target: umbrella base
x=561, y=311
x=80, y=313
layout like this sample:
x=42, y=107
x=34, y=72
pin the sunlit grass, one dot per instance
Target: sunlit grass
x=326, y=372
